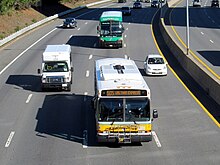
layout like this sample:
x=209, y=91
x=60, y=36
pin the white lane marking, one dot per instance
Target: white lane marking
x=126, y=28
x=87, y=73
x=78, y=29
x=84, y=146
x=26, y=50
x=156, y=139
x=129, y=23
x=125, y=45
x=125, y=35
x=90, y=56
x=202, y=33
x=211, y=41
x=28, y=99
x=9, y=139
x=86, y=23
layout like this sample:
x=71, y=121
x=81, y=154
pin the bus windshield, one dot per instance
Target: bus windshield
x=111, y=28
x=129, y=109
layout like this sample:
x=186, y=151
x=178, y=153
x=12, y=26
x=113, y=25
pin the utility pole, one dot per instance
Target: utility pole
x=187, y=27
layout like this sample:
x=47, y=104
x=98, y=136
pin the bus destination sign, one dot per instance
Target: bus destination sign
x=124, y=93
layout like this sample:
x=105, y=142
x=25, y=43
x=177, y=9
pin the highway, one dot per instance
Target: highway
x=203, y=32
x=58, y=127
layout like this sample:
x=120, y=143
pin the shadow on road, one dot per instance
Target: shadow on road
x=212, y=56
x=26, y=82
x=67, y=116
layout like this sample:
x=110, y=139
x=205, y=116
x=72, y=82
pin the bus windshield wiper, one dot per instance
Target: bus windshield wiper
x=113, y=122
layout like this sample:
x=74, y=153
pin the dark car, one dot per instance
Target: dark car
x=121, y=1
x=155, y=3
x=126, y=10
x=215, y=3
x=137, y=5
x=69, y=23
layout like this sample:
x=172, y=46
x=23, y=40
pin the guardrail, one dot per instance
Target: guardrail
x=199, y=73
x=32, y=26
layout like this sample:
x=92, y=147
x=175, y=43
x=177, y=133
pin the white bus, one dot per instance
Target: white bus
x=122, y=102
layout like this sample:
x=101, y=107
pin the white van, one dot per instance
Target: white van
x=56, y=70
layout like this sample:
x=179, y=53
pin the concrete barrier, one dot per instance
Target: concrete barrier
x=199, y=73
x=172, y=3
x=39, y=23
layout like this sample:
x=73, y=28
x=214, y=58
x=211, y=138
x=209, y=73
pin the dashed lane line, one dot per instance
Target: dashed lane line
x=8, y=142
x=29, y=98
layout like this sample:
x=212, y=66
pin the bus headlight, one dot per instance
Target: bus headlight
x=119, y=41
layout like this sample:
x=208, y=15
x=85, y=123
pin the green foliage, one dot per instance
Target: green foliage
x=17, y=28
x=34, y=20
x=6, y=5
x=1, y=36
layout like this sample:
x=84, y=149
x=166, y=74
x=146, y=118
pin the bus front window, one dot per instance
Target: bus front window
x=110, y=110
x=111, y=28
x=137, y=110
x=113, y=109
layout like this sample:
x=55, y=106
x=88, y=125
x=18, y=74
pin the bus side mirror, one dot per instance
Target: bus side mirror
x=38, y=71
x=155, y=113
x=71, y=69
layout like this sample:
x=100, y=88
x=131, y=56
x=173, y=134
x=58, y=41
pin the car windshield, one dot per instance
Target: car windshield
x=156, y=60
x=69, y=20
x=55, y=67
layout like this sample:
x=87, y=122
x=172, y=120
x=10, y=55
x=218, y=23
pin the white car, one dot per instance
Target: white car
x=155, y=65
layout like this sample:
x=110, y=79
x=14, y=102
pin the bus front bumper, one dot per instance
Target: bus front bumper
x=115, y=44
x=124, y=138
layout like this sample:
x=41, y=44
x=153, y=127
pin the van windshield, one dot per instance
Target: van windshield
x=55, y=67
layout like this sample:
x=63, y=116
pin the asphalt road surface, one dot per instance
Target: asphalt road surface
x=58, y=128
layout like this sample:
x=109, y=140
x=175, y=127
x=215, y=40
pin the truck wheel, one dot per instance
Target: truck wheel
x=69, y=87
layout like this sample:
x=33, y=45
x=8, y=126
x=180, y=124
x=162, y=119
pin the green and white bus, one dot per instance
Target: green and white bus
x=110, y=29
